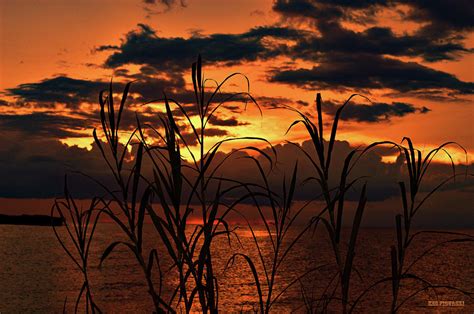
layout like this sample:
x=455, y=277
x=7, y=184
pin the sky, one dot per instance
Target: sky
x=412, y=59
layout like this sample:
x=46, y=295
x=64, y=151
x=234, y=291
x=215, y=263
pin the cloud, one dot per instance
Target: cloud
x=60, y=89
x=366, y=71
x=452, y=15
x=376, y=41
x=145, y=47
x=191, y=140
x=167, y=3
x=343, y=56
x=276, y=102
x=216, y=132
x=74, y=120
x=443, y=26
x=41, y=124
x=444, y=16
x=154, y=7
x=34, y=166
x=231, y=121
x=368, y=58
x=375, y=112
x=72, y=91
x=323, y=11
x=330, y=44
x=382, y=178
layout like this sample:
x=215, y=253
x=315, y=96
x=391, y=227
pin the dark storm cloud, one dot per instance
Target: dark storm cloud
x=275, y=102
x=452, y=14
x=60, y=125
x=375, y=112
x=72, y=92
x=365, y=71
x=377, y=41
x=322, y=11
x=144, y=88
x=216, y=132
x=382, y=178
x=144, y=47
x=61, y=89
x=191, y=140
x=330, y=44
x=432, y=95
x=55, y=125
x=444, y=16
x=152, y=88
x=34, y=167
x=443, y=26
x=231, y=121
x=46, y=125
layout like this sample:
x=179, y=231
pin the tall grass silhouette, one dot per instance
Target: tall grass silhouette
x=152, y=180
x=192, y=255
x=331, y=217
x=278, y=226
x=417, y=167
x=80, y=226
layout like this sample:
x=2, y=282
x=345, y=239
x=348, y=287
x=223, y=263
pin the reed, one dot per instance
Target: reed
x=80, y=227
x=278, y=229
x=135, y=196
x=331, y=216
x=126, y=196
x=417, y=166
x=192, y=255
x=153, y=180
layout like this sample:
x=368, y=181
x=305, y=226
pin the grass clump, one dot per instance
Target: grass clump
x=153, y=181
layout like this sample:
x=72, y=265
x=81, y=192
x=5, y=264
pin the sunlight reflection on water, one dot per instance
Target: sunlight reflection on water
x=36, y=276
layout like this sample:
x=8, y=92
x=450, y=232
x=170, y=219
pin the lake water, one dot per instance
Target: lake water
x=36, y=276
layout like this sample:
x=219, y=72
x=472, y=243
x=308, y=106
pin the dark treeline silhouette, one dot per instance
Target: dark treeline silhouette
x=31, y=220
x=178, y=188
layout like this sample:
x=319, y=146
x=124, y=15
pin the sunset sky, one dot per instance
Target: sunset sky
x=413, y=59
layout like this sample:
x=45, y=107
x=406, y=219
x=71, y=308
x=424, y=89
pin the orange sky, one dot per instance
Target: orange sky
x=46, y=38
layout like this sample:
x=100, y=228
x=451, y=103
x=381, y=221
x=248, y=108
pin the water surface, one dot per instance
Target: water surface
x=37, y=277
